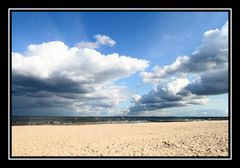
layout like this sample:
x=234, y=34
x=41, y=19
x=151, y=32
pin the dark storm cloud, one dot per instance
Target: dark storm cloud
x=32, y=92
x=166, y=95
x=55, y=84
x=211, y=83
x=51, y=94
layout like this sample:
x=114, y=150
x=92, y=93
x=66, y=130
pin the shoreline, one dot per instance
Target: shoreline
x=112, y=122
x=191, y=138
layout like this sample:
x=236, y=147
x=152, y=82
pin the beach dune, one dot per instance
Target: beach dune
x=200, y=138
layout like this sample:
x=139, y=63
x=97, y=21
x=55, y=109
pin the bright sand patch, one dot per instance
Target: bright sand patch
x=204, y=138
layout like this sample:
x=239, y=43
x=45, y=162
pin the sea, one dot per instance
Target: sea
x=60, y=120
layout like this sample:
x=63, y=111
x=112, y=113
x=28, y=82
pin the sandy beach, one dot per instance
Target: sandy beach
x=200, y=138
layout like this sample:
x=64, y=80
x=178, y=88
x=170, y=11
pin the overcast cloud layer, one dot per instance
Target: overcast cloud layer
x=80, y=79
x=208, y=66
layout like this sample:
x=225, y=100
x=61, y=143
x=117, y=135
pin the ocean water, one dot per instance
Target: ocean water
x=52, y=120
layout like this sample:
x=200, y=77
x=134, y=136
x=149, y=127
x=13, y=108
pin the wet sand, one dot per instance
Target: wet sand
x=200, y=138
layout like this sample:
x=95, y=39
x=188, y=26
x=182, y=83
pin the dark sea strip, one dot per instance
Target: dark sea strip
x=52, y=120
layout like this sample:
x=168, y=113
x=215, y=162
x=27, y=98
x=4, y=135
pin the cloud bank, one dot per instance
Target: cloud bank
x=208, y=66
x=165, y=95
x=52, y=75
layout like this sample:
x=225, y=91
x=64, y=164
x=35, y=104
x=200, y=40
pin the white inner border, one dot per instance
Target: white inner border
x=122, y=9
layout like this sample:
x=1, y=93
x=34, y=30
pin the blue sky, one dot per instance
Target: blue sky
x=156, y=37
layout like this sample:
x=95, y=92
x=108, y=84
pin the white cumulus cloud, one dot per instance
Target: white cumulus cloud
x=212, y=54
x=168, y=94
x=208, y=66
x=52, y=75
x=100, y=41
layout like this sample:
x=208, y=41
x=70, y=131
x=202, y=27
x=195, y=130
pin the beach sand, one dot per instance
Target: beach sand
x=199, y=138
